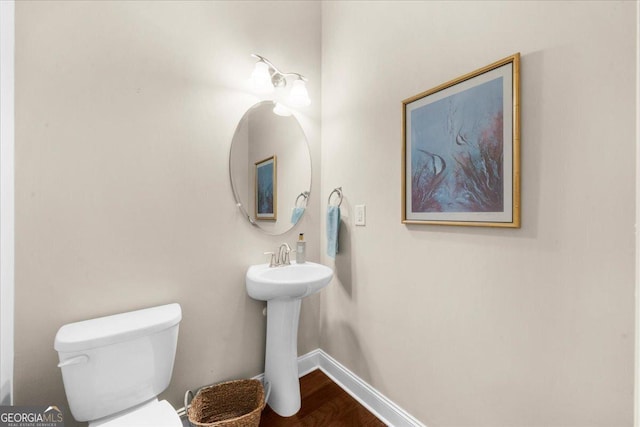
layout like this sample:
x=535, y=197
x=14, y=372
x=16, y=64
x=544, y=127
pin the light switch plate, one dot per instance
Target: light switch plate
x=361, y=215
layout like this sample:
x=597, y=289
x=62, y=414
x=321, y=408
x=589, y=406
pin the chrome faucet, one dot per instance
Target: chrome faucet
x=281, y=257
x=283, y=254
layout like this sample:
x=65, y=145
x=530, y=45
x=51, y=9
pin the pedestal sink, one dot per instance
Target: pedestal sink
x=283, y=288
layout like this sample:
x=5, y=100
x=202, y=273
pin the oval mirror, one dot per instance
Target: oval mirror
x=270, y=168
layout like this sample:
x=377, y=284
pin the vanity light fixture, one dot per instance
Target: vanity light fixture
x=266, y=77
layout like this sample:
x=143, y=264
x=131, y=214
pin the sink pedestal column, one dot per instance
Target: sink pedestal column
x=281, y=361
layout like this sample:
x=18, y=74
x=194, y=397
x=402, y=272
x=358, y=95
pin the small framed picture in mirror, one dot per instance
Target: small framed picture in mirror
x=266, y=189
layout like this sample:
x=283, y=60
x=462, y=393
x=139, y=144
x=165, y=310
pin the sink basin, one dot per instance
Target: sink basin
x=283, y=289
x=291, y=281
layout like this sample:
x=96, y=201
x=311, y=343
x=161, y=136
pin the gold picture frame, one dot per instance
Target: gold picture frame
x=461, y=150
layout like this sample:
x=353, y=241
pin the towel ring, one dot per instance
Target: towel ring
x=304, y=195
x=336, y=190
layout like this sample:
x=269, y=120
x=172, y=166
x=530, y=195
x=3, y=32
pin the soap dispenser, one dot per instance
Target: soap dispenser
x=301, y=255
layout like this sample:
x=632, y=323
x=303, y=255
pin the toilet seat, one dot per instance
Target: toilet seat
x=153, y=414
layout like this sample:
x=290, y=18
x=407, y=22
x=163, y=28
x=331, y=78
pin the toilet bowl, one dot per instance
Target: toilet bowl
x=114, y=367
x=150, y=414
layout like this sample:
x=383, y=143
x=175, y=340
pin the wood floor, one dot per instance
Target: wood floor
x=324, y=403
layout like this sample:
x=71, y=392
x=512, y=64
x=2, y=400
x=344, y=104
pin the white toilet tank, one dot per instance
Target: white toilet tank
x=113, y=363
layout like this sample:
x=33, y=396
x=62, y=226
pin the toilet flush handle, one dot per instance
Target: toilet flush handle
x=83, y=358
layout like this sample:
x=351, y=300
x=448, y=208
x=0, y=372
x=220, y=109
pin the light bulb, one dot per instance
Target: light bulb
x=261, y=78
x=299, y=97
x=281, y=110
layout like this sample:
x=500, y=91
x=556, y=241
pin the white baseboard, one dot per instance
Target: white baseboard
x=379, y=405
x=309, y=362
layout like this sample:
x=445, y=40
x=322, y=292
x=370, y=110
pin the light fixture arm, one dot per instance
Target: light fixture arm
x=278, y=78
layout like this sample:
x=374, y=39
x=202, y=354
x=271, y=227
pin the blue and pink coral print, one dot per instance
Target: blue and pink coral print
x=457, y=152
x=265, y=188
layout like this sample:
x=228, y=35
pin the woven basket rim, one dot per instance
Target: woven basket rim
x=227, y=382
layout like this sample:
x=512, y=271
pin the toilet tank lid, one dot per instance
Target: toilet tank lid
x=107, y=330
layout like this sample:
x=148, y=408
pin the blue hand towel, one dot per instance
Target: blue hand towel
x=333, y=228
x=296, y=214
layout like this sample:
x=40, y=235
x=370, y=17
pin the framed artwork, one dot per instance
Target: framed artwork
x=461, y=150
x=266, y=189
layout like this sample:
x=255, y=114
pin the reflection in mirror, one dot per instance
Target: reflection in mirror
x=270, y=168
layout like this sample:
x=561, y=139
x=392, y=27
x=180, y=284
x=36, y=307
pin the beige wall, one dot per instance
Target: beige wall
x=125, y=113
x=124, y=116
x=479, y=326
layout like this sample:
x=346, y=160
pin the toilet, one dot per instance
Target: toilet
x=114, y=367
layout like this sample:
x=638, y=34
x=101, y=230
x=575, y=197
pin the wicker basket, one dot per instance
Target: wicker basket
x=230, y=404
